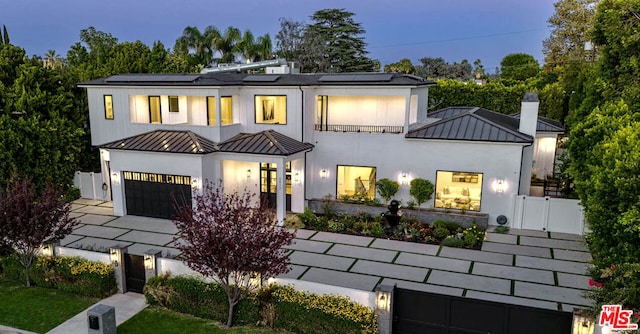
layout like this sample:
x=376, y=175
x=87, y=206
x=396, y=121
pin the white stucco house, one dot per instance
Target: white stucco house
x=296, y=137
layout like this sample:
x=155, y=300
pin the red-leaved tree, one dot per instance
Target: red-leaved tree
x=29, y=217
x=224, y=236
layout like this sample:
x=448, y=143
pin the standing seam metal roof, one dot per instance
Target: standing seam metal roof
x=165, y=141
x=267, y=142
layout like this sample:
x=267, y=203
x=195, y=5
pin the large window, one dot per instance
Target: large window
x=226, y=110
x=323, y=107
x=174, y=106
x=458, y=190
x=155, y=114
x=108, y=107
x=356, y=181
x=271, y=109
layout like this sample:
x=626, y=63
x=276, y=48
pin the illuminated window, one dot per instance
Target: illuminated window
x=323, y=106
x=356, y=181
x=271, y=109
x=108, y=107
x=155, y=115
x=226, y=110
x=458, y=190
x=173, y=104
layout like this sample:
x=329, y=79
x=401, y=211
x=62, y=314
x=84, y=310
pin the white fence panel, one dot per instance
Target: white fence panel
x=548, y=214
x=91, y=186
x=89, y=255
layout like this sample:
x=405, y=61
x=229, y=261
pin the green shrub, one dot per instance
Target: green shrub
x=453, y=241
x=194, y=296
x=473, y=235
x=387, y=188
x=335, y=226
x=411, y=205
x=502, y=229
x=302, y=312
x=440, y=233
x=293, y=222
x=421, y=190
x=308, y=218
x=376, y=229
x=451, y=226
x=69, y=274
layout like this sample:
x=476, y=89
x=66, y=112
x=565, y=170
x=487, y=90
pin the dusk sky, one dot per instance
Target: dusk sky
x=452, y=29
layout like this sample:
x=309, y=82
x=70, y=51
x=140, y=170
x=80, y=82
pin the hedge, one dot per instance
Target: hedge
x=69, y=274
x=275, y=306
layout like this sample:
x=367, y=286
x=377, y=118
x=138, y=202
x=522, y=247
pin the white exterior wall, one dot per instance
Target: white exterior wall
x=544, y=153
x=134, y=161
x=393, y=155
x=247, y=111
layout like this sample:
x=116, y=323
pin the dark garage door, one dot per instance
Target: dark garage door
x=150, y=194
x=421, y=312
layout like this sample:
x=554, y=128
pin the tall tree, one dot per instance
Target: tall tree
x=402, y=66
x=226, y=237
x=518, y=67
x=197, y=45
x=570, y=25
x=5, y=35
x=52, y=59
x=289, y=39
x=337, y=42
x=28, y=218
x=225, y=43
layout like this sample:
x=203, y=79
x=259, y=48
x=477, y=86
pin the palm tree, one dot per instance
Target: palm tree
x=196, y=44
x=264, y=48
x=247, y=47
x=52, y=59
x=225, y=43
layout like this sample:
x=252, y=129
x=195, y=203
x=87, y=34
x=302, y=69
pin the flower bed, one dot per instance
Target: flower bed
x=409, y=229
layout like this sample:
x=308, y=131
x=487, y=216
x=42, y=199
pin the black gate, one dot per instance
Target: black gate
x=422, y=312
x=150, y=195
x=134, y=272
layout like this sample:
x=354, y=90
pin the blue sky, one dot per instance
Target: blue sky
x=452, y=29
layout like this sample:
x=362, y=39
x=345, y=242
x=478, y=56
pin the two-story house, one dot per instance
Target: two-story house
x=296, y=137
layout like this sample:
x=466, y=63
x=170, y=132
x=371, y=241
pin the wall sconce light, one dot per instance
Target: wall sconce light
x=500, y=186
x=383, y=297
x=194, y=183
x=581, y=323
x=248, y=173
x=148, y=262
x=404, y=179
x=114, y=257
x=296, y=177
x=47, y=249
x=324, y=174
x=115, y=178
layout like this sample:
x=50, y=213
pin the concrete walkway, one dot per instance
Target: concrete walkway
x=524, y=267
x=126, y=306
x=9, y=330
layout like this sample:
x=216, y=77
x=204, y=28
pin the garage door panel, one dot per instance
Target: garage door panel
x=152, y=196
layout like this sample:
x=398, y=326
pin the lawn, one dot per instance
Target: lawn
x=37, y=309
x=157, y=320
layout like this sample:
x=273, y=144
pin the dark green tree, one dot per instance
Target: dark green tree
x=518, y=67
x=336, y=42
x=402, y=66
x=5, y=35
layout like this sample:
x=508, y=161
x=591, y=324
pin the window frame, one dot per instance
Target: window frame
x=230, y=97
x=255, y=109
x=106, y=109
x=456, y=173
x=209, y=111
x=159, y=109
x=337, y=179
x=177, y=99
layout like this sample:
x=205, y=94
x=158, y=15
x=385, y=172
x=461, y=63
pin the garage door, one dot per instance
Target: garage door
x=151, y=194
x=421, y=312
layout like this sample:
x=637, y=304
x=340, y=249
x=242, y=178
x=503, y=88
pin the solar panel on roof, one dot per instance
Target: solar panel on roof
x=152, y=78
x=260, y=78
x=362, y=77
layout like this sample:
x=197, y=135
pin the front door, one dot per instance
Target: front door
x=134, y=272
x=268, y=184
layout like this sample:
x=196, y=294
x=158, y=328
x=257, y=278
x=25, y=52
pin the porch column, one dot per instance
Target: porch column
x=281, y=192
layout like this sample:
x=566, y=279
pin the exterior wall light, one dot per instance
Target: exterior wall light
x=296, y=177
x=500, y=186
x=248, y=173
x=148, y=262
x=115, y=257
x=324, y=173
x=404, y=179
x=194, y=183
x=47, y=249
x=582, y=324
x=115, y=178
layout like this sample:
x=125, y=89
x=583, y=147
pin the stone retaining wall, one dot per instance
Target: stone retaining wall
x=427, y=216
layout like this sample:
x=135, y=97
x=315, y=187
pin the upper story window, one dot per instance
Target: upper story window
x=271, y=109
x=155, y=114
x=226, y=110
x=108, y=107
x=173, y=104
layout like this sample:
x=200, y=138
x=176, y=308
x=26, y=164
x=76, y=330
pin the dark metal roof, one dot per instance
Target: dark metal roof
x=546, y=124
x=243, y=79
x=266, y=142
x=165, y=141
x=471, y=124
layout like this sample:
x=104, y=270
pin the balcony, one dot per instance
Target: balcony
x=360, y=128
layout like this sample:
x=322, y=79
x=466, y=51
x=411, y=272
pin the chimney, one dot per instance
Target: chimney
x=529, y=114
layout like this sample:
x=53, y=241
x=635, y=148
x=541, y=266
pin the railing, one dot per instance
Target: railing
x=360, y=128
